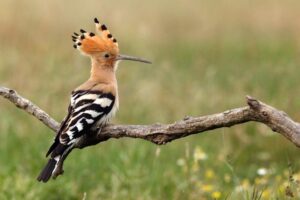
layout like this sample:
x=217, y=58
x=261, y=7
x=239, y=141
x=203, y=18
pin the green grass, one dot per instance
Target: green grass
x=207, y=56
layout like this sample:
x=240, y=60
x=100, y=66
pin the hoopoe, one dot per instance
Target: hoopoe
x=94, y=102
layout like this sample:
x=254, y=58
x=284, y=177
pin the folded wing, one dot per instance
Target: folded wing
x=87, y=108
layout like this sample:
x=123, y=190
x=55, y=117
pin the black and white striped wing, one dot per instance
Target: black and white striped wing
x=87, y=109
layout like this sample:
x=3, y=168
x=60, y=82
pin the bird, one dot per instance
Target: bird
x=94, y=103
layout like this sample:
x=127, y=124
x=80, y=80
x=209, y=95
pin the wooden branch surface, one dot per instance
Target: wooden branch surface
x=256, y=110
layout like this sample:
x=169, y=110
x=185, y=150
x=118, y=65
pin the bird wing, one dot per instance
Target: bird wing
x=85, y=110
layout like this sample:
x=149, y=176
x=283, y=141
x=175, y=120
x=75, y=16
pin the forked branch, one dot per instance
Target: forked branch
x=159, y=134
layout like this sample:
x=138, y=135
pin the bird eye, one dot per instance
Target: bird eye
x=106, y=55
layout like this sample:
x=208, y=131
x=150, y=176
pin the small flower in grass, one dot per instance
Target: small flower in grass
x=209, y=174
x=239, y=188
x=266, y=194
x=281, y=188
x=216, y=195
x=227, y=178
x=199, y=154
x=180, y=162
x=207, y=187
x=261, y=181
x=262, y=171
x=245, y=184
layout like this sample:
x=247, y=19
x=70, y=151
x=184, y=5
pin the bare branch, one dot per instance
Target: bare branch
x=159, y=134
x=258, y=111
x=29, y=107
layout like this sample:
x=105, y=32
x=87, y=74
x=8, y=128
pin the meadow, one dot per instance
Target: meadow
x=207, y=56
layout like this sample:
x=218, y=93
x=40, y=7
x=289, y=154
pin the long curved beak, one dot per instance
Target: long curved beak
x=132, y=58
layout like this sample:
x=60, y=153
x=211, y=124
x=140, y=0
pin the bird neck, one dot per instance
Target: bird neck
x=103, y=73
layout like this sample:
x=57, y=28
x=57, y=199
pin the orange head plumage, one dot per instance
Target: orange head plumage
x=103, y=47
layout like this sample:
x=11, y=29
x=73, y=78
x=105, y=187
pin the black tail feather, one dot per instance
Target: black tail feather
x=53, y=146
x=47, y=171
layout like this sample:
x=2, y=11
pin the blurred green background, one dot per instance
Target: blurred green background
x=207, y=55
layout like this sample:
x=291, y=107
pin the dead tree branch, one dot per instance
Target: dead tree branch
x=159, y=134
x=256, y=110
x=29, y=107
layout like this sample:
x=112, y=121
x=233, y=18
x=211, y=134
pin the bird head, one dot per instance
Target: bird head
x=102, y=47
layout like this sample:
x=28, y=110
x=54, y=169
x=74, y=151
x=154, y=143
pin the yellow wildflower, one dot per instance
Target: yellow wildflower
x=227, y=178
x=207, y=187
x=281, y=189
x=261, y=181
x=209, y=174
x=266, y=194
x=245, y=184
x=216, y=195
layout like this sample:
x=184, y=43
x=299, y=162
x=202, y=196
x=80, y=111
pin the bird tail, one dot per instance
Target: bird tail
x=46, y=173
x=56, y=154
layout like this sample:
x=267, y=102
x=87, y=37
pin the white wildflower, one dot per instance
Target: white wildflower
x=262, y=171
